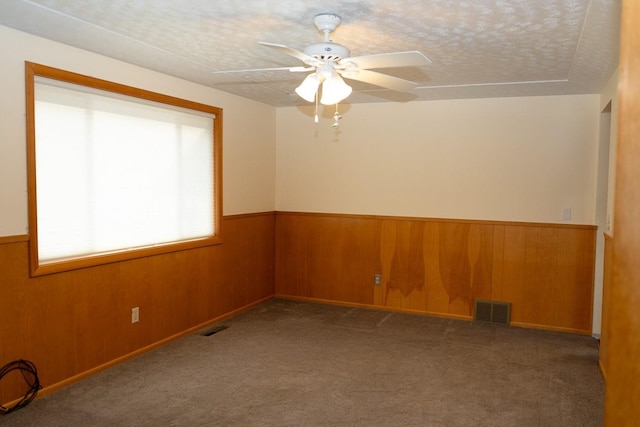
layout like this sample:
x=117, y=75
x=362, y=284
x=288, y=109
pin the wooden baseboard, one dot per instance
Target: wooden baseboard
x=603, y=372
x=551, y=328
x=373, y=307
x=428, y=313
x=57, y=386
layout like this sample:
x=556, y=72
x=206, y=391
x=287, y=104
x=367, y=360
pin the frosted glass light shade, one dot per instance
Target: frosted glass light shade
x=309, y=87
x=334, y=90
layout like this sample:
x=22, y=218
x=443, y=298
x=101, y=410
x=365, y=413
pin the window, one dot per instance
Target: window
x=117, y=172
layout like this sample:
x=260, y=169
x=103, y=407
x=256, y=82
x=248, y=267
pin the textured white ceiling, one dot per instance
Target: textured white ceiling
x=478, y=48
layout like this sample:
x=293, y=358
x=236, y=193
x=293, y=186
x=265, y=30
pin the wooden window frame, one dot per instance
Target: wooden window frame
x=33, y=70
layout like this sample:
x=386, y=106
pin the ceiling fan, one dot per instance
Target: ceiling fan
x=330, y=61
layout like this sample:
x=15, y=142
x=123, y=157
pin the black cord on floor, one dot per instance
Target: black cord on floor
x=30, y=375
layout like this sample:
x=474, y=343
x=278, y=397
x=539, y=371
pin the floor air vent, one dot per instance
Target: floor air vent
x=492, y=311
x=214, y=330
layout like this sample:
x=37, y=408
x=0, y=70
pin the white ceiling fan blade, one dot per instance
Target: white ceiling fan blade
x=387, y=60
x=292, y=69
x=307, y=59
x=379, y=79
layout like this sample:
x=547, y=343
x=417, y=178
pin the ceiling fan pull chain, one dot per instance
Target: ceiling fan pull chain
x=315, y=118
x=336, y=118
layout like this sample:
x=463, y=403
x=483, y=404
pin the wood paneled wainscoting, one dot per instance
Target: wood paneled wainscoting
x=74, y=323
x=439, y=267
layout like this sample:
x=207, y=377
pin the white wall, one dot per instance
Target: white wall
x=249, y=127
x=512, y=159
x=606, y=190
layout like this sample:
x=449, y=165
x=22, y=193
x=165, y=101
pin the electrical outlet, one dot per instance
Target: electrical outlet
x=377, y=279
x=135, y=314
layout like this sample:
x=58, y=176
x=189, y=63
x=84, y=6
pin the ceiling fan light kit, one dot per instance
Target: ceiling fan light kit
x=309, y=87
x=332, y=61
x=334, y=90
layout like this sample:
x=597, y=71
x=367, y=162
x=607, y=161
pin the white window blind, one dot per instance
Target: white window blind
x=116, y=173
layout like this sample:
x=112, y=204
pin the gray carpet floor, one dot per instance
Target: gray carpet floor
x=287, y=363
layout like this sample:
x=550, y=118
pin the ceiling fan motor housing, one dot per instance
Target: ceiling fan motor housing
x=327, y=51
x=326, y=21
